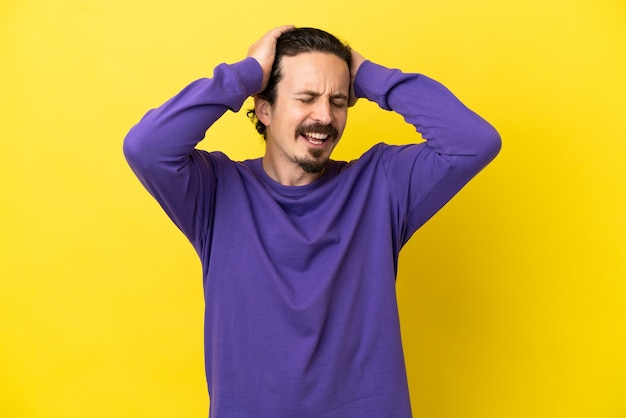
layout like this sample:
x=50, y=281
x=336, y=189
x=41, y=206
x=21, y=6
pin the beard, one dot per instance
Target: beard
x=314, y=163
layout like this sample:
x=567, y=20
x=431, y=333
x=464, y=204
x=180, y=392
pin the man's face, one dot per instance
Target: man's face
x=309, y=114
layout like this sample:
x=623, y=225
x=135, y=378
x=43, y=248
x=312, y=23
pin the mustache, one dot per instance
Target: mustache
x=318, y=128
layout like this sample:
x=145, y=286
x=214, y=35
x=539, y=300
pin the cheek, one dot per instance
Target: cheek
x=341, y=119
x=294, y=117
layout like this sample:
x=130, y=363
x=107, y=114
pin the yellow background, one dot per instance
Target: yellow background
x=513, y=298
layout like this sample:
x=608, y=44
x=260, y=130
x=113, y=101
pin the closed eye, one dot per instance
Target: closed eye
x=336, y=101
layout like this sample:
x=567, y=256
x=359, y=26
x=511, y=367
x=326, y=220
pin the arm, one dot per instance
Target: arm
x=459, y=143
x=161, y=147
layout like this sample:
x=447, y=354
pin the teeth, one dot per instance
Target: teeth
x=317, y=135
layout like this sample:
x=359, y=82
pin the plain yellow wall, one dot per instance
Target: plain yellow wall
x=513, y=298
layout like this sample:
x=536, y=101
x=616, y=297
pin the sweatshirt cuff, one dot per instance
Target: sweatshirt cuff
x=374, y=82
x=249, y=74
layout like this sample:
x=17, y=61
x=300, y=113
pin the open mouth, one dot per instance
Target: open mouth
x=315, y=138
x=317, y=134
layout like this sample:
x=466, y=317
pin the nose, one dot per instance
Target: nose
x=322, y=112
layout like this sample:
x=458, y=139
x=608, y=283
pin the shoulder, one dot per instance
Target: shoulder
x=368, y=167
x=220, y=166
x=383, y=154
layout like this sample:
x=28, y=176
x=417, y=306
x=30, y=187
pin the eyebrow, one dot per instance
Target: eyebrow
x=316, y=94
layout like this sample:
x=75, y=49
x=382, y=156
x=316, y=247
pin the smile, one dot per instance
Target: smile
x=315, y=138
x=317, y=134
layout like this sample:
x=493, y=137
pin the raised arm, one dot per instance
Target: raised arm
x=459, y=143
x=161, y=147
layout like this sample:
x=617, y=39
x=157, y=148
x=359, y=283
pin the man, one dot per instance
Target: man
x=299, y=252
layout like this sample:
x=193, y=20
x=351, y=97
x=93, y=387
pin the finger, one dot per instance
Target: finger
x=268, y=40
x=276, y=32
x=264, y=50
x=272, y=35
x=357, y=60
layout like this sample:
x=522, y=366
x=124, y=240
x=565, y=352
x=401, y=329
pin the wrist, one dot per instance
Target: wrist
x=250, y=74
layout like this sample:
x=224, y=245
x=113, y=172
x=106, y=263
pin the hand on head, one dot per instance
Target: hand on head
x=264, y=50
x=357, y=60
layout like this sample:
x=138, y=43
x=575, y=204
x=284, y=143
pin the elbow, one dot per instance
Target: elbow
x=492, y=142
x=135, y=148
x=139, y=143
x=487, y=142
x=131, y=148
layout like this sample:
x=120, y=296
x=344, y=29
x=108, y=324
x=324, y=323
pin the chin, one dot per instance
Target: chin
x=313, y=166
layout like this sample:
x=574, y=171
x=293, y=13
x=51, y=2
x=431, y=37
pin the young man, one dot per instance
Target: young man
x=299, y=252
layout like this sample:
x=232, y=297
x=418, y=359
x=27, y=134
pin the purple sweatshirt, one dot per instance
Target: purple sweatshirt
x=299, y=282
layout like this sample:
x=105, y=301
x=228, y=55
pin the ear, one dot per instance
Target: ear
x=262, y=109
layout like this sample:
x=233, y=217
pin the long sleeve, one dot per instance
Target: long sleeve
x=161, y=147
x=459, y=143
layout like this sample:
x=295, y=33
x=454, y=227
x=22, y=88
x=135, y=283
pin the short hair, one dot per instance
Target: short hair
x=291, y=43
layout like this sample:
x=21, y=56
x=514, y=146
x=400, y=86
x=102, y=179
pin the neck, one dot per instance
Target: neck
x=291, y=175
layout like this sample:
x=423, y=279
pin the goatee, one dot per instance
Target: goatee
x=313, y=165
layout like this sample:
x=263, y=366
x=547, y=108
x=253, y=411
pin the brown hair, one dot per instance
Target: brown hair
x=292, y=43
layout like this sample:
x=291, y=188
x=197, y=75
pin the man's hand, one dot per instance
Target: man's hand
x=357, y=60
x=264, y=51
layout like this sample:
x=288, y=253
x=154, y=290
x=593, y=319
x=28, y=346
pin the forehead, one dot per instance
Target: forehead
x=316, y=71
